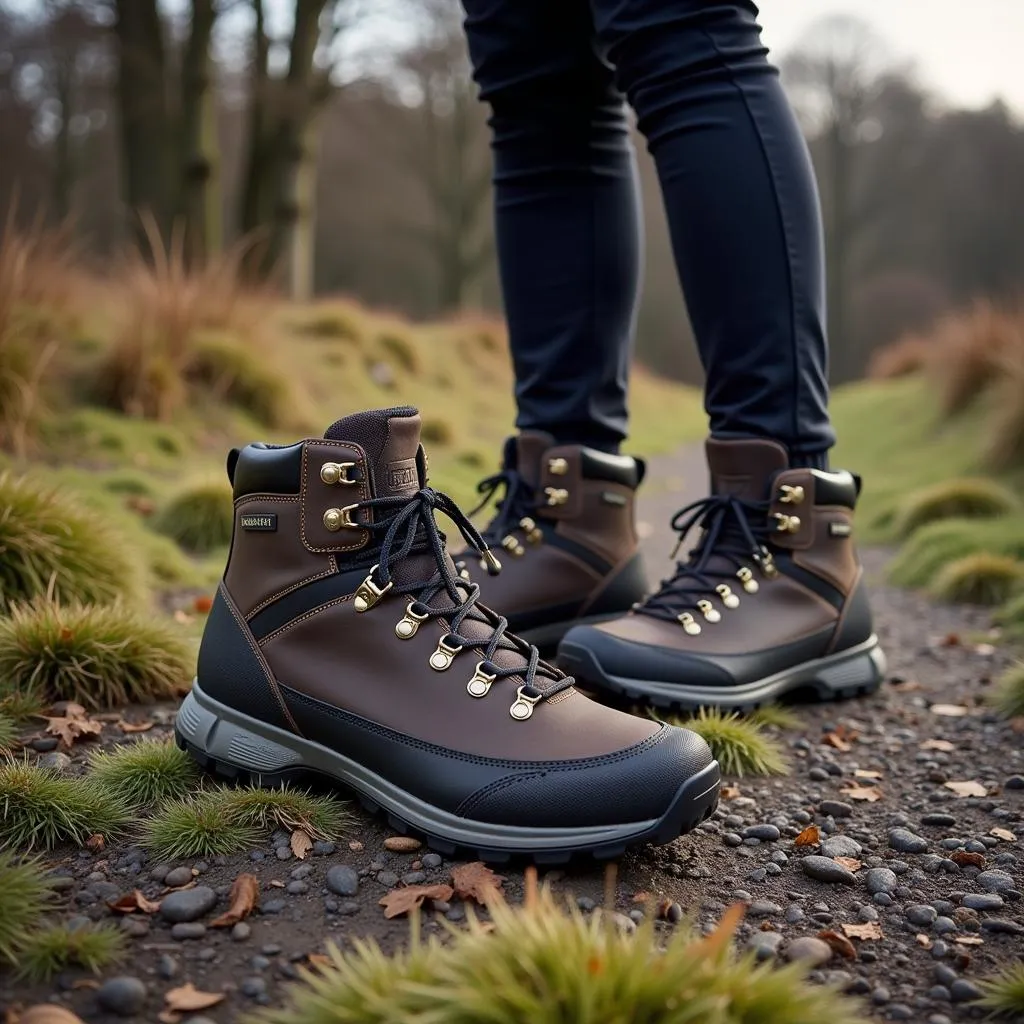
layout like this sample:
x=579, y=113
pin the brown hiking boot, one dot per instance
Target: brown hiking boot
x=770, y=600
x=567, y=532
x=343, y=643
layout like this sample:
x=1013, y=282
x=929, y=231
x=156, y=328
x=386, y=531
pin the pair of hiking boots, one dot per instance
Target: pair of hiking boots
x=345, y=641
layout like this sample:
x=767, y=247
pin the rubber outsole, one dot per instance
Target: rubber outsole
x=842, y=676
x=233, y=747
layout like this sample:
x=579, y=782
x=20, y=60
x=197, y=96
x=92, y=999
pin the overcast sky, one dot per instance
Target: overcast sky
x=967, y=50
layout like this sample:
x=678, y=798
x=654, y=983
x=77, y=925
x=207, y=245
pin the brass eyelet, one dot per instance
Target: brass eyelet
x=533, y=532
x=442, y=658
x=512, y=546
x=337, y=473
x=523, y=706
x=341, y=519
x=746, y=578
x=786, y=524
x=729, y=599
x=558, y=466
x=368, y=593
x=792, y=494
x=481, y=681
x=689, y=623
x=556, y=495
x=406, y=627
x=709, y=611
x=766, y=562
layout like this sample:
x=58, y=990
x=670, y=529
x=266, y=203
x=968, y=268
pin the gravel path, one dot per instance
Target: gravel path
x=912, y=893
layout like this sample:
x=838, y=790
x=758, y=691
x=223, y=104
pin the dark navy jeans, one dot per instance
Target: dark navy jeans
x=738, y=190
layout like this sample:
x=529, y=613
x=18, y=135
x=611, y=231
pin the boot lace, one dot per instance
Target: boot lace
x=411, y=529
x=734, y=532
x=512, y=511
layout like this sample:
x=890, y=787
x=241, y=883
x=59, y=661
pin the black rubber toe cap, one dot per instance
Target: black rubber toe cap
x=631, y=785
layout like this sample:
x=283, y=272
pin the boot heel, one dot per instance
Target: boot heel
x=862, y=672
x=228, y=751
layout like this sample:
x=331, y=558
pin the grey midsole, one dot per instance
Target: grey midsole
x=232, y=737
x=856, y=666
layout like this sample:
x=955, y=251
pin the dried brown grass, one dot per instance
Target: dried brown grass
x=907, y=355
x=1005, y=444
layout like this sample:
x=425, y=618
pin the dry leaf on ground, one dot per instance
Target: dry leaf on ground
x=837, y=740
x=187, y=998
x=811, y=836
x=840, y=944
x=319, y=961
x=132, y=901
x=95, y=842
x=969, y=940
x=73, y=725
x=949, y=710
x=47, y=1013
x=943, y=745
x=476, y=881
x=301, y=844
x=134, y=726
x=968, y=788
x=401, y=901
x=871, y=794
x=863, y=773
x=729, y=792
x=868, y=930
x=1005, y=834
x=963, y=858
x=850, y=863
x=245, y=894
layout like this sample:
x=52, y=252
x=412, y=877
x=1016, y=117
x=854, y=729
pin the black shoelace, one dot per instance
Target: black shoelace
x=734, y=532
x=413, y=520
x=516, y=503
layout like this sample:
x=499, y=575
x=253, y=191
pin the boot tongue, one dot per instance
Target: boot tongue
x=745, y=468
x=391, y=440
x=530, y=448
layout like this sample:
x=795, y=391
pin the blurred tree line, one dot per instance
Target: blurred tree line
x=354, y=160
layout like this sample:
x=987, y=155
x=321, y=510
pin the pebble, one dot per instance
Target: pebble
x=945, y=975
x=963, y=991
x=922, y=914
x=938, y=819
x=177, y=877
x=905, y=841
x=348, y=908
x=764, y=833
x=809, y=949
x=944, y=925
x=296, y=888
x=253, y=988
x=794, y=913
x=188, y=904
x=880, y=880
x=994, y=881
x=763, y=908
x=271, y=907
x=732, y=839
x=823, y=869
x=44, y=744
x=283, y=853
x=241, y=931
x=56, y=760
x=185, y=930
x=835, y=808
x=840, y=846
x=1014, y=782
x=1001, y=924
x=323, y=849
x=388, y=879
x=431, y=861
x=765, y=944
x=342, y=880
x=982, y=901
x=123, y=996
x=167, y=967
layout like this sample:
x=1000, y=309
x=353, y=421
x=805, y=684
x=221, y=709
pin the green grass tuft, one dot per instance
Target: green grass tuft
x=981, y=578
x=199, y=518
x=52, y=545
x=401, y=349
x=775, y=716
x=1008, y=693
x=145, y=773
x=196, y=826
x=99, y=657
x=545, y=965
x=968, y=498
x=21, y=705
x=8, y=733
x=320, y=817
x=1004, y=992
x=931, y=548
x=1011, y=616
x=738, y=744
x=40, y=808
x=437, y=431
x=25, y=895
x=51, y=950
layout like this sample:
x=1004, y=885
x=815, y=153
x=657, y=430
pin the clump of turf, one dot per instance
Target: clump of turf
x=544, y=964
x=738, y=744
x=775, y=716
x=20, y=705
x=48, y=951
x=199, y=518
x=25, y=895
x=970, y=498
x=51, y=545
x=981, y=578
x=437, y=431
x=8, y=733
x=1008, y=693
x=320, y=817
x=1011, y=616
x=145, y=773
x=196, y=826
x=402, y=350
x=40, y=808
x=1003, y=993
x=97, y=656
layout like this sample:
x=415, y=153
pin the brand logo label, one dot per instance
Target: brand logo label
x=402, y=477
x=263, y=521
x=839, y=529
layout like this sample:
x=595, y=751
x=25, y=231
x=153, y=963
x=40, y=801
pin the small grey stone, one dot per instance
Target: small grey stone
x=188, y=904
x=44, y=744
x=880, y=880
x=817, y=774
x=413, y=878
x=177, y=876
x=763, y=908
x=253, y=988
x=586, y=904
x=994, y=881
x=348, y=908
x=939, y=949
x=56, y=760
x=794, y=913
x=331, y=905
x=167, y=967
x=944, y=925
x=963, y=991
x=270, y=948
x=764, y=833
x=296, y=888
x=186, y=930
x=807, y=948
x=732, y=839
x=60, y=883
x=758, y=874
x=982, y=901
x=944, y=907
x=867, y=914
x=840, y=846
x=271, y=907
x=241, y=931
x=823, y=869
x=123, y=996
x=322, y=848
x=1002, y=925
x=836, y=808
x=137, y=928
x=1014, y=782
x=283, y=853
x=922, y=915
x=388, y=879
x=938, y=818
x=765, y=944
x=880, y=996
x=883, y=899
x=905, y=841
x=945, y=975
x=342, y=880
x=900, y=1011
x=431, y=861
x=302, y=872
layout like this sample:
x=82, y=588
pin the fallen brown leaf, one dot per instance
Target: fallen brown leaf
x=202, y=605
x=355, y=846
x=811, y=836
x=969, y=940
x=950, y=640
x=134, y=726
x=132, y=901
x=73, y=725
x=840, y=944
x=730, y=792
x=833, y=739
x=402, y=901
x=850, y=863
x=968, y=788
x=962, y=857
x=870, y=794
x=319, y=960
x=863, y=773
x=47, y=1013
x=245, y=893
x=923, y=940
x=402, y=844
x=1005, y=834
x=949, y=710
x=943, y=745
x=476, y=881
x=276, y=883
x=641, y=897
x=869, y=930
x=301, y=844
x=187, y=998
